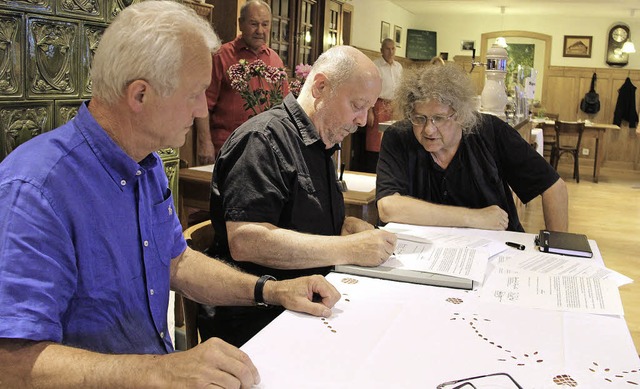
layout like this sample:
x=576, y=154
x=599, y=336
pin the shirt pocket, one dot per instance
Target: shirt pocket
x=164, y=224
x=306, y=183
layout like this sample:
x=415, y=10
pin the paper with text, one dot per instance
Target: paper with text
x=544, y=263
x=416, y=235
x=555, y=292
x=454, y=261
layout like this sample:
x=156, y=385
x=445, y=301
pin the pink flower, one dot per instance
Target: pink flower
x=302, y=71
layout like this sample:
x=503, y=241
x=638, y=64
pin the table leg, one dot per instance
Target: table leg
x=599, y=157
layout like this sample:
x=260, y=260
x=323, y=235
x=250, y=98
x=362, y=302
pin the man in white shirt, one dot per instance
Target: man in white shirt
x=391, y=71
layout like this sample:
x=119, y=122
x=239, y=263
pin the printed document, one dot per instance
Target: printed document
x=544, y=263
x=555, y=292
x=454, y=261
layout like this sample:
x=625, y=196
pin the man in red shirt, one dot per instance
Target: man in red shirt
x=226, y=106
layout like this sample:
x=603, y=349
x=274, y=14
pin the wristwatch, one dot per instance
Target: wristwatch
x=257, y=291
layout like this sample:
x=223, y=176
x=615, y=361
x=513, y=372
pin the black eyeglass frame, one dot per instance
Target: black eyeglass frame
x=465, y=381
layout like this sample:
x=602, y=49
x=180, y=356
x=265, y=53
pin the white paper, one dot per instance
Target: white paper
x=555, y=292
x=544, y=263
x=491, y=246
x=454, y=261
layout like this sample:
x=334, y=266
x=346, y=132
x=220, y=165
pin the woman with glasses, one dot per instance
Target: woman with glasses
x=446, y=164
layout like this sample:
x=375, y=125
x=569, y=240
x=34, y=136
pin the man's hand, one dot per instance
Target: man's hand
x=353, y=225
x=489, y=218
x=212, y=363
x=371, y=247
x=301, y=294
x=206, y=152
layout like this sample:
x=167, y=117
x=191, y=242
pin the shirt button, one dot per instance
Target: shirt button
x=151, y=292
x=162, y=334
x=146, y=243
x=138, y=172
x=123, y=182
x=445, y=192
x=170, y=211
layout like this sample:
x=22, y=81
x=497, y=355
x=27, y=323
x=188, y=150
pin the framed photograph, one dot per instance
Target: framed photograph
x=397, y=35
x=577, y=46
x=467, y=45
x=385, y=31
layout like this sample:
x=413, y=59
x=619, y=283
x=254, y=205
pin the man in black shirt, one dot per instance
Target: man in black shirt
x=276, y=205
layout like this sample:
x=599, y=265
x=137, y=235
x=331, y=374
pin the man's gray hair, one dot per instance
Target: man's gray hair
x=336, y=64
x=146, y=41
x=245, y=8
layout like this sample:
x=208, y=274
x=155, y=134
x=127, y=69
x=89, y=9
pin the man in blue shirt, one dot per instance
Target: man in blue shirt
x=90, y=243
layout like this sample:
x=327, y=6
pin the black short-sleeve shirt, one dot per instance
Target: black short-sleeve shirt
x=276, y=169
x=491, y=159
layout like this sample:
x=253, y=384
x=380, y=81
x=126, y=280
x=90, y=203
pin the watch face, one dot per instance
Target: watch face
x=619, y=34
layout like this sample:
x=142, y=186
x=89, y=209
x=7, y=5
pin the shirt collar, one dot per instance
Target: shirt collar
x=303, y=123
x=118, y=164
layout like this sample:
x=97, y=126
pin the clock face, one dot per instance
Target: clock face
x=619, y=34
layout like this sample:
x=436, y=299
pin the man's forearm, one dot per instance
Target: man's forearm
x=555, y=207
x=210, y=281
x=27, y=364
x=270, y=246
x=404, y=209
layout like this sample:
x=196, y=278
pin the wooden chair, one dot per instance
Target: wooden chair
x=549, y=138
x=568, y=139
x=199, y=237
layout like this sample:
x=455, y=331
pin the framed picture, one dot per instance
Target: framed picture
x=385, y=31
x=577, y=46
x=397, y=35
x=467, y=45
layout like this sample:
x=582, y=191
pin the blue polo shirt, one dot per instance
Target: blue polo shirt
x=86, y=239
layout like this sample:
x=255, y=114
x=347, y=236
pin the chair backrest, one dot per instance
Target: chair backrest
x=573, y=130
x=199, y=237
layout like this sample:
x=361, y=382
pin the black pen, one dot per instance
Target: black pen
x=515, y=245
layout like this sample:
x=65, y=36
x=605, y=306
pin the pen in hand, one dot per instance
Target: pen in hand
x=515, y=245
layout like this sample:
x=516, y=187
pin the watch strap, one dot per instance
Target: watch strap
x=259, y=288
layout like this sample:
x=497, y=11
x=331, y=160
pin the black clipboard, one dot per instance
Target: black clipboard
x=564, y=243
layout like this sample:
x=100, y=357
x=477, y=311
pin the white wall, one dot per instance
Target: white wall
x=367, y=18
x=452, y=29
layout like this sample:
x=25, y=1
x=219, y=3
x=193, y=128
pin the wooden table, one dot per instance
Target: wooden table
x=591, y=131
x=194, y=186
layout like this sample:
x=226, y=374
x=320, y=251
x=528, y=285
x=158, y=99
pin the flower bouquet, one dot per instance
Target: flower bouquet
x=302, y=71
x=267, y=94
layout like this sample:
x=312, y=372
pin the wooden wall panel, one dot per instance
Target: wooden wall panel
x=566, y=88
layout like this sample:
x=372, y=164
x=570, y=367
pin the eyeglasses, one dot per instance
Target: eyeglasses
x=495, y=380
x=436, y=120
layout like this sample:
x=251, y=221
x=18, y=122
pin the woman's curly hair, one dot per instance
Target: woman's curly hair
x=447, y=84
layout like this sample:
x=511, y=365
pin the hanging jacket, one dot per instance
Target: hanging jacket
x=626, y=105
